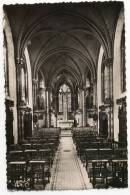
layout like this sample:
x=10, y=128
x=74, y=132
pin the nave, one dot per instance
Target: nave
x=65, y=96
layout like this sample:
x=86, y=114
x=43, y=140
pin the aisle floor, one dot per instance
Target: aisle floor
x=68, y=172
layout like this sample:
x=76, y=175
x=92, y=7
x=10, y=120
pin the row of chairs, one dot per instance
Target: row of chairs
x=25, y=175
x=105, y=173
x=34, y=145
x=107, y=167
x=79, y=133
x=31, y=154
x=84, y=134
x=52, y=132
x=29, y=163
x=85, y=129
x=98, y=147
x=84, y=138
x=105, y=160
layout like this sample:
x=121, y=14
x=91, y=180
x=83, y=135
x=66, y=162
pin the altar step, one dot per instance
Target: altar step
x=66, y=133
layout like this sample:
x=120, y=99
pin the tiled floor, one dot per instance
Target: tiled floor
x=68, y=173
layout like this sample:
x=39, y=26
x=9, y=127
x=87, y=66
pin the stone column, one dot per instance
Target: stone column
x=44, y=95
x=108, y=78
x=41, y=93
x=26, y=88
x=48, y=107
x=65, y=105
x=35, y=83
x=55, y=106
x=106, y=87
x=95, y=92
x=73, y=102
x=83, y=107
x=21, y=97
x=80, y=99
x=21, y=81
x=108, y=63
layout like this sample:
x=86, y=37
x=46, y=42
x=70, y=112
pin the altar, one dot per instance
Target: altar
x=65, y=124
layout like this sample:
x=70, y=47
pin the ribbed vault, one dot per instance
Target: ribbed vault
x=68, y=35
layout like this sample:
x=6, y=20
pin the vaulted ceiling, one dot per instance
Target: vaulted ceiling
x=64, y=40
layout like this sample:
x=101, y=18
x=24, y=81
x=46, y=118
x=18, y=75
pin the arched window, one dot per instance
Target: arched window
x=88, y=83
x=41, y=94
x=64, y=97
x=60, y=96
x=123, y=76
x=69, y=99
x=104, y=81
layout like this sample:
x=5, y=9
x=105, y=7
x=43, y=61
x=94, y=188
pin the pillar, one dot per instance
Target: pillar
x=65, y=105
x=83, y=107
x=108, y=63
x=41, y=93
x=48, y=121
x=55, y=107
x=21, y=97
x=35, y=83
x=21, y=81
x=95, y=92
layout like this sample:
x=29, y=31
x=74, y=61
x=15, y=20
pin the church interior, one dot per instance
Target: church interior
x=65, y=96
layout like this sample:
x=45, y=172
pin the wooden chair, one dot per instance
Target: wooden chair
x=26, y=146
x=30, y=154
x=46, y=155
x=100, y=176
x=36, y=146
x=120, y=173
x=15, y=155
x=120, y=153
x=14, y=147
x=105, y=153
x=105, y=144
x=17, y=175
x=37, y=174
x=91, y=154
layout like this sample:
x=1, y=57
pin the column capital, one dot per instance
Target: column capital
x=34, y=81
x=20, y=62
x=48, y=88
x=22, y=106
x=83, y=88
x=108, y=102
x=94, y=80
x=108, y=62
x=44, y=89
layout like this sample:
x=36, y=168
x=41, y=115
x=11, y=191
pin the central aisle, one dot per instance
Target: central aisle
x=68, y=173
